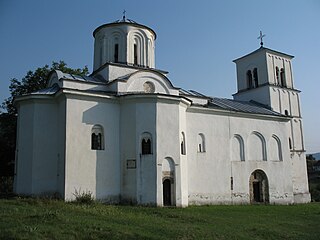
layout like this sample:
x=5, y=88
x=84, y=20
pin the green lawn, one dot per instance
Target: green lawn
x=48, y=219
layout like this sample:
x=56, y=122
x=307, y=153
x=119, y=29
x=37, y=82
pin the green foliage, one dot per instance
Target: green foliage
x=39, y=219
x=84, y=197
x=6, y=184
x=36, y=80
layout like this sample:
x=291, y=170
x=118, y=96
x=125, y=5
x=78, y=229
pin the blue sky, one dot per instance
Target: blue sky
x=196, y=43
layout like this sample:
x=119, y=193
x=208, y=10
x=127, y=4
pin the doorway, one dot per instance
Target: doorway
x=167, y=192
x=259, y=187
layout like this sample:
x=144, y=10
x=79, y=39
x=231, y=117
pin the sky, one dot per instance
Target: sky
x=196, y=41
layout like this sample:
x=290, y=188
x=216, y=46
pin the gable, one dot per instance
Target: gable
x=144, y=81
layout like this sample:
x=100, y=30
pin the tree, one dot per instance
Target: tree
x=33, y=81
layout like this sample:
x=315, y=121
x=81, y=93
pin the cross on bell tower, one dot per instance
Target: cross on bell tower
x=261, y=38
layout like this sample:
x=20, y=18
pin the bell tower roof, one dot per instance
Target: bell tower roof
x=265, y=50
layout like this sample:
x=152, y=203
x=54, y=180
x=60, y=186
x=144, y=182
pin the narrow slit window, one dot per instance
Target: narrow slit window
x=183, y=144
x=201, y=143
x=116, y=53
x=249, y=79
x=290, y=144
x=255, y=77
x=135, y=54
x=277, y=75
x=283, y=78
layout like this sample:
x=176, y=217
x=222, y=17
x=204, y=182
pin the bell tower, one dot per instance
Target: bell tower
x=125, y=42
x=265, y=76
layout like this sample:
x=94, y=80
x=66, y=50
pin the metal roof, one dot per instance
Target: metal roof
x=79, y=78
x=47, y=91
x=241, y=106
x=192, y=93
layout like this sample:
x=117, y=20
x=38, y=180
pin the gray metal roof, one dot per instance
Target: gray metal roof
x=232, y=105
x=241, y=106
x=47, y=91
x=80, y=78
x=192, y=93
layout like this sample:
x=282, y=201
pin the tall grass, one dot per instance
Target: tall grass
x=52, y=219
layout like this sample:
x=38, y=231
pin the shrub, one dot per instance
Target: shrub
x=6, y=184
x=84, y=197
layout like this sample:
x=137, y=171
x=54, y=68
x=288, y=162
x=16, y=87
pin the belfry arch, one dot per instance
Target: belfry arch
x=259, y=187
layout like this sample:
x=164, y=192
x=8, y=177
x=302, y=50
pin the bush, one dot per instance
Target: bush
x=6, y=184
x=84, y=197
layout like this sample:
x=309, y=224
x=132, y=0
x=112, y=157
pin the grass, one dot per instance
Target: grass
x=50, y=219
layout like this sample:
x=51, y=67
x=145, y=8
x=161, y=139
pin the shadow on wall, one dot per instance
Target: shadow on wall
x=102, y=134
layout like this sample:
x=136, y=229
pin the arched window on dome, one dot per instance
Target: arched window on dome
x=249, y=79
x=116, y=53
x=146, y=143
x=97, y=138
x=135, y=54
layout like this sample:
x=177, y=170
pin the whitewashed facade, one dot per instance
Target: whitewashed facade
x=126, y=134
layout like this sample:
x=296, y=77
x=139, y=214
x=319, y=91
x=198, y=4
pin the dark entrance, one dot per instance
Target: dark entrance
x=167, y=192
x=257, y=192
x=259, y=187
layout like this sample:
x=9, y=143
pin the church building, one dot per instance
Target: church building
x=128, y=135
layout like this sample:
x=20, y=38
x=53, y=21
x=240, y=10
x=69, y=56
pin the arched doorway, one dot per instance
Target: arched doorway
x=167, y=198
x=168, y=182
x=259, y=187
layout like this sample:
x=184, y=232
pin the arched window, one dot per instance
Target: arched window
x=255, y=77
x=183, y=144
x=135, y=54
x=201, y=143
x=283, y=78
x=237, y=148
x=146, y=144
x=277, y=75
x=275, y=152
x=257, y=147
x=97, y=138
x=249, y=79
x=286, y=112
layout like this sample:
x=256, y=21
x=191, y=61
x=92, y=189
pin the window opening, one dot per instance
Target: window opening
x=290, y=144
x=255, y=77
x=277, y=75
x=146, y=146
x=135, y=54
x=231, y=179
x=282, y=78
x=97, y=138
x=201, y=143
x=249, y=79
x=116, y=53
x=183, y=144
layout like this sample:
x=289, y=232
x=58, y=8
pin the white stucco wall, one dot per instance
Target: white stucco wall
x=97, y=171
x=37, y=147
x=210, y=172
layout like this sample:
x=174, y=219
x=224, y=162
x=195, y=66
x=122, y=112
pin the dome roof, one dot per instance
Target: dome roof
x=126, y=21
